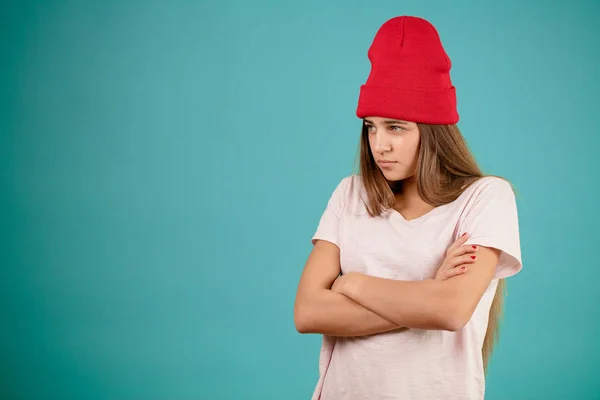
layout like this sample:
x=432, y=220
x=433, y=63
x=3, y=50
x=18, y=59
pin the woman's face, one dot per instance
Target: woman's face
x=394, y=145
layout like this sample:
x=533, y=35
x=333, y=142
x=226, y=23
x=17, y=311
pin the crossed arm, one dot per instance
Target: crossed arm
x=357, y=304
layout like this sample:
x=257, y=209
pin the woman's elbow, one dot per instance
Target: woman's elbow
x=300, y=322
x=455, y=319
x=453, y=323
x=303, y=319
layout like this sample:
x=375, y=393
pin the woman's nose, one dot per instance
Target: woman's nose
x=382, y=143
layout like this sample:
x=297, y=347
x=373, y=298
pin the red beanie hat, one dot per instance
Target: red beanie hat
x=410, y=75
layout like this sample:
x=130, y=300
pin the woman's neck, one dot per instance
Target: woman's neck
x=408, y=199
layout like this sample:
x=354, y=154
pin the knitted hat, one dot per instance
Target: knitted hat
x=410, y=75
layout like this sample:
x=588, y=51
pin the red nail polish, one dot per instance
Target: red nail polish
x=463, y=268
x=473, y=257
x=474, y=247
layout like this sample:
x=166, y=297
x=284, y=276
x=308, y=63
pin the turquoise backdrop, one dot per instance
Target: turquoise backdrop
x=164, y=164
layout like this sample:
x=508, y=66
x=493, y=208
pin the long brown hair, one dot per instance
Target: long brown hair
x=445, y=168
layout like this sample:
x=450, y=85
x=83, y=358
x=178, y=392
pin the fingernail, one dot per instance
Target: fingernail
x=463, y=234
x=475, y=247
x=463, y=268
x=473, y=257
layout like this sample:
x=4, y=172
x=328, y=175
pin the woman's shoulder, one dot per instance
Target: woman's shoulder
x=488, y=184
x=485, y=189
x=349, y=183
x=351, y=192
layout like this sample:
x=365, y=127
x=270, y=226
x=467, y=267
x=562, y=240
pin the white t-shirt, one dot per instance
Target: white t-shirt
x=414, y=363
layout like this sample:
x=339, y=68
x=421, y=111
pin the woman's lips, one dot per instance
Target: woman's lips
x=386, y=163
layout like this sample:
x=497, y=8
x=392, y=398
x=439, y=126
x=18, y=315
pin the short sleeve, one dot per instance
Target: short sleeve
x=329, y=225
x=492, y=221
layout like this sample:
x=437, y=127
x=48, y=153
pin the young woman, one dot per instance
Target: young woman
x=405, y=280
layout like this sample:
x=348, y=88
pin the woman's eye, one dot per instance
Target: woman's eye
x=396, y=128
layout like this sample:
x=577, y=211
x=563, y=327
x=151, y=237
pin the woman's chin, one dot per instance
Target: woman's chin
x=393, y=176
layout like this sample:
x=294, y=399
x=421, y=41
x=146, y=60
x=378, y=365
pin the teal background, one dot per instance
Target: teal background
x=163, y=166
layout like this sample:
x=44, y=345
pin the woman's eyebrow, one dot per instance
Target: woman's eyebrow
x=390, y=121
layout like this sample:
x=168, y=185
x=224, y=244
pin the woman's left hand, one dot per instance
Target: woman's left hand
x=342, y=281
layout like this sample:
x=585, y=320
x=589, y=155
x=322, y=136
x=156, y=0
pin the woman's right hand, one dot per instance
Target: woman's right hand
x=457, y=256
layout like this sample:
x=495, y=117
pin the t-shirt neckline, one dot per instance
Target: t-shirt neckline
x=414, y=221
x=398, y=215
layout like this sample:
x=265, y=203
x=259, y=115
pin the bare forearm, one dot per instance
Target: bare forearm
x=415, y=304
x=335, y=314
